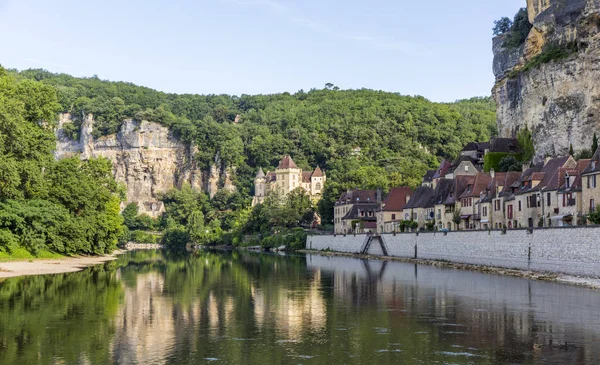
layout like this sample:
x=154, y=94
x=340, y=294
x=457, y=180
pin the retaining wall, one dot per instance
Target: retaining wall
x=574, y=251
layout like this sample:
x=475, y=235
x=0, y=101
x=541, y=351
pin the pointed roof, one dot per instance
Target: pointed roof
x=594, y=165
x=260, y=173
x=287, y=163
x=317, y=172
x=396, y=199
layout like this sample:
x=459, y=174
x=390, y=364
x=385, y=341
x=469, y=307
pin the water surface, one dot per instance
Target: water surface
x=151, y=307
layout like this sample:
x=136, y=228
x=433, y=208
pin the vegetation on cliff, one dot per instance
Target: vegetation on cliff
x=65, y=207
x=515, y=31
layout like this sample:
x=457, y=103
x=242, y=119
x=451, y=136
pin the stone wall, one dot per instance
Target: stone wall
x=574, y=251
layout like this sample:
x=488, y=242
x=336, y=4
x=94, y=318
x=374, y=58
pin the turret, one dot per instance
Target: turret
x=260, y=187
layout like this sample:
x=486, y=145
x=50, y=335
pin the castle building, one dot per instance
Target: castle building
x=286, y=178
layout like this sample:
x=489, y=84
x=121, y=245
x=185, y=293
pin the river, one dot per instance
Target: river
x=153, y=307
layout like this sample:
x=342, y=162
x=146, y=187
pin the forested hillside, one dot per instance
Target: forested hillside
x=48, y=207
x=399, y=136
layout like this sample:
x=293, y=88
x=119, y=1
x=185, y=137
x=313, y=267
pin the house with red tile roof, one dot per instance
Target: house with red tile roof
x=495, y=214
x=534, y=199
x=286, y=178
x=392, y=207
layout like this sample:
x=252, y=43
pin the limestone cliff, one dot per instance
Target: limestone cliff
x=558, y=100
x=147, y=158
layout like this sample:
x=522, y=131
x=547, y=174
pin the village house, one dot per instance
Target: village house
x=356, y=207
x=469, y=201
x=495, y=213
x=535, y=205
x=420, y=208
x=590, y=188
x=286, y=178
x=392, y=207
x=442, y=192
x=569, y=202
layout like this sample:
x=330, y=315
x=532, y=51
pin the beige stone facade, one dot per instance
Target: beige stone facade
x=286, y=178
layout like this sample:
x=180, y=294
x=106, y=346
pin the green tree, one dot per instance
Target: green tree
x=509, y=163
x=525, y=141
x=502, y=26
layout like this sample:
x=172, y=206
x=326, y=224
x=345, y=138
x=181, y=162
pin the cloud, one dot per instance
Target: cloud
x=286, y=12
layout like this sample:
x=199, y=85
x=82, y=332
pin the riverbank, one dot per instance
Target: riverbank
x=31, y=267
x=587, y=282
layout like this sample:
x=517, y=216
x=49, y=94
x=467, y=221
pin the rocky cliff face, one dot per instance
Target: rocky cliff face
x=559, y=100
x=146, y=158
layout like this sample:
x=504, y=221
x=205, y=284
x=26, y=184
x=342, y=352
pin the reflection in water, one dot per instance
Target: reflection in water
x=244, y=308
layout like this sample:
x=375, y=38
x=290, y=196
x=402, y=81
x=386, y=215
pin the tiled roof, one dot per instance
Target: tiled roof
x=306, y=176
x=354, y=213
x=271, y=177
x=594, y=165
x=442, y=170
x=318, y=172
x=429, y=176
x=287, y=163
x=396, y=199
x=479, y=185
x=423, y=197
x=500, y=185
x=358, y=196
x=546, y=173
x=443, y=190
x=504, y=145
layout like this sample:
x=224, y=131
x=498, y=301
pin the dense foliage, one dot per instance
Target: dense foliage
x=66, y=207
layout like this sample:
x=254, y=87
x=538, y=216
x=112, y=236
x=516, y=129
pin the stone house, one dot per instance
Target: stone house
x=392, y=208
x=590, y=187
x=286, y=178
x=469, y=201
x=465, y=165
x=362, y=218
x=444, y=213
x=346, y=203
x=569, y=202
x=420, y=207
x=534, y=198
x=495, y=212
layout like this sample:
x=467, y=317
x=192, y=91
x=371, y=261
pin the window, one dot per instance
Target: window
x=393, y=217
x=591, y=182
x=318, y=186
x=497, y=205
x=510, y=212
x=592, y=205
x=548, y=199
x=520, y=206
x=484, y=211
x=415, y=216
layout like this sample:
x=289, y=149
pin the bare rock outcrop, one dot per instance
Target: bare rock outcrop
x=147, y=158
x=558, y=100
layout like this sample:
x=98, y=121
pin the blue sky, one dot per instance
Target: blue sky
x=438, y=48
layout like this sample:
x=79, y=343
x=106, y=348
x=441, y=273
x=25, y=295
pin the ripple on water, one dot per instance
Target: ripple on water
x=211, y=359
x=464, y=353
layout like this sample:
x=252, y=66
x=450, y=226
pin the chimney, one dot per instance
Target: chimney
x=492, y=173
x=379, y=199
x=526, y=166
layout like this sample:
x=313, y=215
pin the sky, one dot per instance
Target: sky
x=439, y=49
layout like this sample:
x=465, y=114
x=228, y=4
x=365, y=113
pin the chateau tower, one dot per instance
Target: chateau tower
x=260, y=187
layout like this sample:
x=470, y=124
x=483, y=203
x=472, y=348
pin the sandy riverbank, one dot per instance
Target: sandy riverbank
x=11, y=269
x=593, y=283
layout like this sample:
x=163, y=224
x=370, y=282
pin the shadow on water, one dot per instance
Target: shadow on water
x=254, y=308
